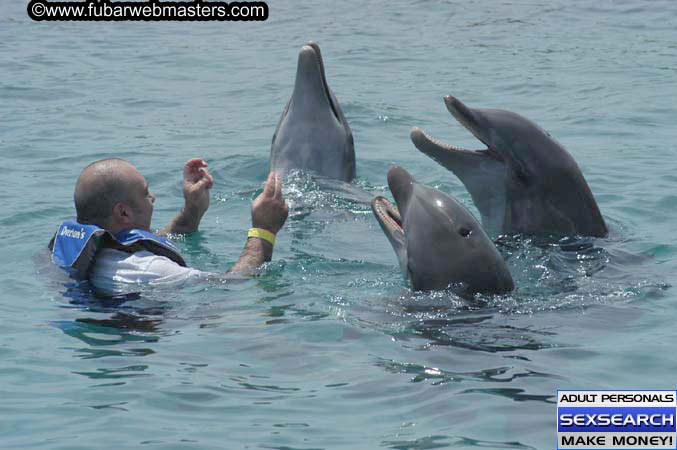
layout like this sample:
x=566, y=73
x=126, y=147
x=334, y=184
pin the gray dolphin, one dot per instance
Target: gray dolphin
x=524, y=181
x=437, y=240
x=313, y=133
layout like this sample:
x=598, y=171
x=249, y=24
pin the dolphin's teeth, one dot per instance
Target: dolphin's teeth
x=388, y=213
x=446, y=146
x=488, y=152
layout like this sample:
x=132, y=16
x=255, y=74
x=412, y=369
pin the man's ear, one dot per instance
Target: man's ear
x=121, y=215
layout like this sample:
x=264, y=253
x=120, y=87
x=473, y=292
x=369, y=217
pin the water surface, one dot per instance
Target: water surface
x=329, y=348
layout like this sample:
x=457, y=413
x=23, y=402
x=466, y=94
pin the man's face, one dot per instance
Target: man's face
x=140, y=200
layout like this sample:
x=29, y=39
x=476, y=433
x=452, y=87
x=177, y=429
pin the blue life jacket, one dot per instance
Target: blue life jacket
x=75, y=245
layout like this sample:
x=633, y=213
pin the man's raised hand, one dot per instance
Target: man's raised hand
x=196, y=184
x=269, y=210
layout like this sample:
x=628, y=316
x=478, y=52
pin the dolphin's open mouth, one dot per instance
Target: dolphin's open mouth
x=432, y=147
x=388, y=216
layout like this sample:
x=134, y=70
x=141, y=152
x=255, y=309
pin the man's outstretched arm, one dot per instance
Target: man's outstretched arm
x=196, y=184
x=269, y=212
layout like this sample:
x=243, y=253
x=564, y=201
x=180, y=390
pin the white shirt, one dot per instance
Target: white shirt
x=118, y=272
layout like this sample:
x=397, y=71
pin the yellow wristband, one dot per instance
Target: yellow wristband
x=261, y=234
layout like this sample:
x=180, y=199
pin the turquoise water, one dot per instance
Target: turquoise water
x=329, y=348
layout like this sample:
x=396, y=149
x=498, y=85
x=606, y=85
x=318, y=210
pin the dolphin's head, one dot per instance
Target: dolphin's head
x=437, y=241
x=312, y=133
x=524, y=181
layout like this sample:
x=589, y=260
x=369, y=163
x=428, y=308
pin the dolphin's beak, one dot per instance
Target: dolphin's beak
x=401, y=184
x=448, y=155
x=309, y=70
x=435, y=149
x=318, y=54
x=311, y=83
x=388, y=217
x=467, y=118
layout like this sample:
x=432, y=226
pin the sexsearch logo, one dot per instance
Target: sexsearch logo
x=616, y=420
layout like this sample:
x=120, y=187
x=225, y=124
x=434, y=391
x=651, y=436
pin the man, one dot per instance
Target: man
x=111, y=244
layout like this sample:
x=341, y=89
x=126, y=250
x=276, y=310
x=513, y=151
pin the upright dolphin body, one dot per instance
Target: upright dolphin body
x=438, y=242
x=524, y=181
x=312, y=133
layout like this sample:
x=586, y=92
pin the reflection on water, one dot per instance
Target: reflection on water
x=94, y=353
x=485, y=333
x=515, y=394
x=289, y=314
x=126, y=318
x=111, y=337
x=112, y=327
x=441, y=441
x=438, y=376
x=117, y=373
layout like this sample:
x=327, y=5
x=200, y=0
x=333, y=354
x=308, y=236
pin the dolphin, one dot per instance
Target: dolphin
x=524, y=181
x=437, y=240
x=313, y=133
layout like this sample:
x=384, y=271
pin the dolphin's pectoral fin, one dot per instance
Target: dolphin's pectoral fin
x=344, y=190
x=482, y=172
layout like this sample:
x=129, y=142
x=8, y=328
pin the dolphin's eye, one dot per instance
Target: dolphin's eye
x=465, y=232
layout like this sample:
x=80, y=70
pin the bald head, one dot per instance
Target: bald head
x=100, y=186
